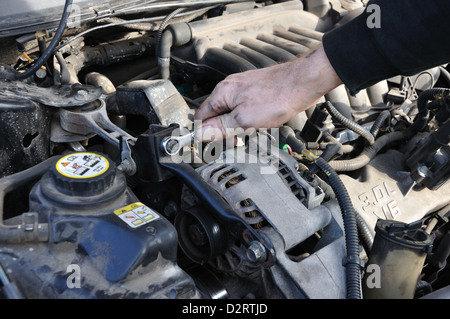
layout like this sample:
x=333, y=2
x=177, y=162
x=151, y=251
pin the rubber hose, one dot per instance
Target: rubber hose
x=368, y=153
x=423, y=288
x=364, y=233
x=16, y=180
x=100, y=80
x=383, y=117
x=11, y=233
x=351, y=125
x=50, y=49
x=330, y=150
x=423, y=114
x=65, y=74
x=163, y=26
x=353, y=264
x=363, y=229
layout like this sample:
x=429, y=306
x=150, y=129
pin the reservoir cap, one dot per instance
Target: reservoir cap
x=83, y=174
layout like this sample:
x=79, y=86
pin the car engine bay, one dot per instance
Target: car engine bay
x=349, y=199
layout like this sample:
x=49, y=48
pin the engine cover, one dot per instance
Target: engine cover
x=385, y=192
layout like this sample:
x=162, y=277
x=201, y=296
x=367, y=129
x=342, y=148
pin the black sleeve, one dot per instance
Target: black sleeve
x=413, y=35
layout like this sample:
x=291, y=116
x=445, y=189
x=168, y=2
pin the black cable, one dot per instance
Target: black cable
x=383, y=117
x=351, y=125
x=353, y=262
x=51, y=48
x=423, y=115
x=368, y=153
x=363, y=229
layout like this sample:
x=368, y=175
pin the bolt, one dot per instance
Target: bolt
x=82, y=95
x=172, y=145
x=256, y=252
x=197, y=234
x=170, y=209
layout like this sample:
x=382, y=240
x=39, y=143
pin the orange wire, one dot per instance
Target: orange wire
x=30, y=59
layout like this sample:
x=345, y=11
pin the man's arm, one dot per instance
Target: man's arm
x=413, y=36
x=268, y=97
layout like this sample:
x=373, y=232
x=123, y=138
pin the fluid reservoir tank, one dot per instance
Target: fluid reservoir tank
x=91, y=210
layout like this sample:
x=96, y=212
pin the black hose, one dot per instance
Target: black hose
x=163, y=26
x=65, y=73
x=423, y=288
x=423, y=114
x=364, y=233
x=331, y=150
x=13, y=233
x=419, y=124
x=16, y=180
x=175, y=35
x=363, y=229
x=368, y=153
x=383, y=117
x=51, y=48
x=351, y=125
x=353, y=262
x=20, y=41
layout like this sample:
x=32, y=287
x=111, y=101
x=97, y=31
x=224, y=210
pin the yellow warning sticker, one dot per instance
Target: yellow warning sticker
x=136, y=214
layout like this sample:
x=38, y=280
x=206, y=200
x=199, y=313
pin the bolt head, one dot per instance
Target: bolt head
x=256, y=252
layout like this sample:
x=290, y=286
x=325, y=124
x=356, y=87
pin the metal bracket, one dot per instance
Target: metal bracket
x=93, y=118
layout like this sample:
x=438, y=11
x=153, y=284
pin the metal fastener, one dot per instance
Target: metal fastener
x=256, y=252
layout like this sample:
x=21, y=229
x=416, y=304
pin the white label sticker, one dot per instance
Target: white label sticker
x=82, y=165
x=136, y=214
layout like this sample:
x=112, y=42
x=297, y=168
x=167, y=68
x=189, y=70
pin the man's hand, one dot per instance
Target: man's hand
x=266, y=98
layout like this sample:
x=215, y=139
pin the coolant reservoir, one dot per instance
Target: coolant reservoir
x=93, y=215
